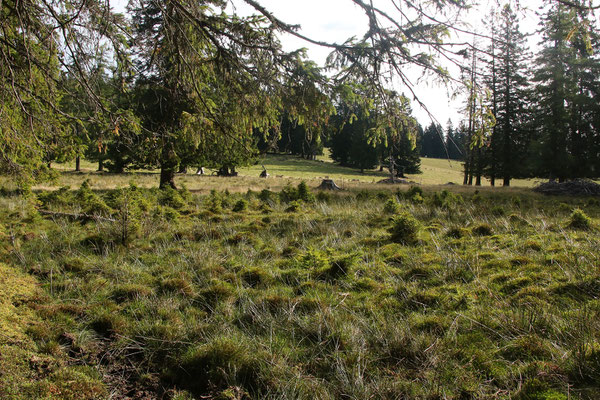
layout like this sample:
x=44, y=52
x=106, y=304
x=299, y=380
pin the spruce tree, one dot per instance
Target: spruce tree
x=510, y=138
x=554, y=90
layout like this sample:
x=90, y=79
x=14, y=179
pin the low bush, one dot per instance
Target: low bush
x=404, y=229
x=240, y=205
x=391, y=206
x=579, y=220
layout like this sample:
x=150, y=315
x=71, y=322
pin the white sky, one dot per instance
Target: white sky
x=338, y=20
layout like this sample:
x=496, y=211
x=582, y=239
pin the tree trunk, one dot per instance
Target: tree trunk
x=78, y=163
x=100, y=165
x=167, y=177
x=479, y=168
x=506, y=181
x=168, y=166
x=492, y=180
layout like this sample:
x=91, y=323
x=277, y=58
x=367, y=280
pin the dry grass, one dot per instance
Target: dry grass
x=283, y=170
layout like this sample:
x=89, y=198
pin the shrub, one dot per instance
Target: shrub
x=404, y=229
x=391, y=206
x=579, y=220
x=304, y=193
x=417, y=199
x=131, y=205
x=266, y=196
x=323, y=197
x=172, y=198
x=288, y=194
x=240, y=205
x=214, y=202
x=89, y=201
x=412, y=191
x=293, y=207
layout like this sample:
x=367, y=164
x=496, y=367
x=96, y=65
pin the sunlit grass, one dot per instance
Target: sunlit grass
x=282, y=170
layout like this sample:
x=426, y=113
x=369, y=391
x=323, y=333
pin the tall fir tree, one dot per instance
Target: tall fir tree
x=508, y=83
x=561, y=96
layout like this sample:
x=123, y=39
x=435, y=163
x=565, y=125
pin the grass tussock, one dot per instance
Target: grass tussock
x=295, y=294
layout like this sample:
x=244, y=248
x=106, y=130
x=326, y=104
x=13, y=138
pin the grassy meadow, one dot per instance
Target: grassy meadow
x=282, y=169
x=115, y=291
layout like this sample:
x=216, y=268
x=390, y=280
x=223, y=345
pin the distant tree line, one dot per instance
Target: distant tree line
x=184, y=84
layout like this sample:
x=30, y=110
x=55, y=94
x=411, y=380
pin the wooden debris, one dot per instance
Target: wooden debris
x=578, y=187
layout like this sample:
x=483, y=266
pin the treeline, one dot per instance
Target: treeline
x=534, y=115
x=352, y=136
x=174, y=85
x=181, y=84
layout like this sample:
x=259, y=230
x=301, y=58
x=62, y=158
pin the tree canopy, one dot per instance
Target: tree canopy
x=171, y=84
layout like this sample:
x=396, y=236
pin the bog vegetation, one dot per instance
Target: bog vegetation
x=297, y=294
x=247, y=289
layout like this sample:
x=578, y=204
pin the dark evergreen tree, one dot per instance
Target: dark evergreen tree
x=454, y=142
x=508, y=83
x=555, y=92
x=350, y=143
x=433, y=144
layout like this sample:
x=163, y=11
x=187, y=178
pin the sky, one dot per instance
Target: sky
x=338, y=20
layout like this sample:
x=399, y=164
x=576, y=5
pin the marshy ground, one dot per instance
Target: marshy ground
x=373, y=292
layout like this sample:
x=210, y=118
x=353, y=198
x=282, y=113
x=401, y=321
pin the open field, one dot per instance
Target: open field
x=283, y=170
x=293, y=295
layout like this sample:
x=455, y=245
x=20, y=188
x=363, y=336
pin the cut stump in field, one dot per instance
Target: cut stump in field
x=328, y=184
x=264, y=173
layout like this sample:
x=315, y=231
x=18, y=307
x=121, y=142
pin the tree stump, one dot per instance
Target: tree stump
x=264, y=173
x=328, y=184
